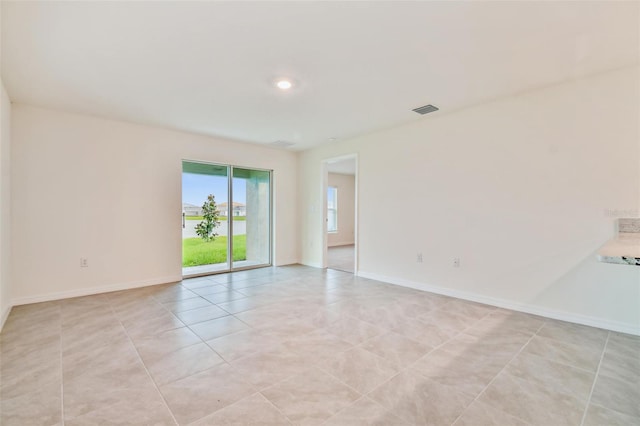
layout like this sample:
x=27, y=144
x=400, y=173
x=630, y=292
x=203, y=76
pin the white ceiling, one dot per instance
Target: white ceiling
x=208, y=67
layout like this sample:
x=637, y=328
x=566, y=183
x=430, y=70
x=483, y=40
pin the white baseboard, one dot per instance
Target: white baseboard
x=502, y=303
x=286, y=263
x=94, y=290
x=508, y=304
x=342, y=243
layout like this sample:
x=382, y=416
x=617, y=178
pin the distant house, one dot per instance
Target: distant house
x=191, y=209
x=239, y=209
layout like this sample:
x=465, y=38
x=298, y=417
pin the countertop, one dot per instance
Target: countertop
x=623, y=250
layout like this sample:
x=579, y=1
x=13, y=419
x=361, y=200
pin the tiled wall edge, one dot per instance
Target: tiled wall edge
x=94, y=290
x=507, y=304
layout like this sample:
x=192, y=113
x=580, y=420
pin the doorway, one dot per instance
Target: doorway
x=340, y=188
x=226, y=218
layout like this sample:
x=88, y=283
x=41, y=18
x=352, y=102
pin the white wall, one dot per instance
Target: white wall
x=111, y=191
x=5, y=205
x=346, y=185
x=520, y=189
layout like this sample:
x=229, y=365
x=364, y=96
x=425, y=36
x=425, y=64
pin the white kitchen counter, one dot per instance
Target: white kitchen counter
x=623, y=250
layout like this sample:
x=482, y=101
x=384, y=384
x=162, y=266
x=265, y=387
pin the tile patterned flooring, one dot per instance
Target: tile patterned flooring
x=298, y=345
x=341, y=258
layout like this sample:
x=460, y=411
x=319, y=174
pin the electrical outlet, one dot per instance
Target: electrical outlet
x=456, y=262
x=84, y=262
x=419, y=258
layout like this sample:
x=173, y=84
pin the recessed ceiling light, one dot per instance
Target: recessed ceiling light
x=284, y=84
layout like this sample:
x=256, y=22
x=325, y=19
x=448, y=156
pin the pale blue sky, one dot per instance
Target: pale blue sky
x=196, y=188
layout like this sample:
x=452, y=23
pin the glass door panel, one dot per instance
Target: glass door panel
x=205, y=210
x=251, y=217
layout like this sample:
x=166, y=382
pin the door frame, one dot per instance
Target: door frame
x=231, y=267
x=356, y=232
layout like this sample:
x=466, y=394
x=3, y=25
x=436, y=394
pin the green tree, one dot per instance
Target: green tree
x=210, y=215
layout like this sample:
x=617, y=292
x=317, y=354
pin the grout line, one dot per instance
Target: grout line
x=342, y=410
x=595, y=379
x=350, y=297
x=276, y=407
x=559, y=361
x=209, y=346
x=362, y=395
x=433, y=349
x=143, y=364
x=460, y=333
x=500, y=372
x=61, y=372
x=317, y=367
x=237, y=402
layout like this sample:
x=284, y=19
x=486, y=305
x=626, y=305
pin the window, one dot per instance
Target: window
x=332, y=209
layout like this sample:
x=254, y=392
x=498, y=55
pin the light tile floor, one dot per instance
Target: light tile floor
x=297, y=345
x=341, y=258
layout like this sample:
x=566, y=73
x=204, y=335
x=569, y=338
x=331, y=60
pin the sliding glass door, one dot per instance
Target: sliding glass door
x=254, y=188
x=226, y=218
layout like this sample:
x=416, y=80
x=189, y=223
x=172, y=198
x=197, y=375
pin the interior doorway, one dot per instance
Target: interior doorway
x=226, y=218
x=340, y=189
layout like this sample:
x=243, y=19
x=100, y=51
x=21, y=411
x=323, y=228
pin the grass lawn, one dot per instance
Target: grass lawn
x=235, y=218
x=196, y=251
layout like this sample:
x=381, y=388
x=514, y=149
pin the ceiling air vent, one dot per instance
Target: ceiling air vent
x=282, y=144
x=425, y=109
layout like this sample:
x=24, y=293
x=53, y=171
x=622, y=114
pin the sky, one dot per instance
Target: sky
x=196, y=188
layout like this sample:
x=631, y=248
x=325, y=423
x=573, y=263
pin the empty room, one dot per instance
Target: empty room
x=320, y=213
